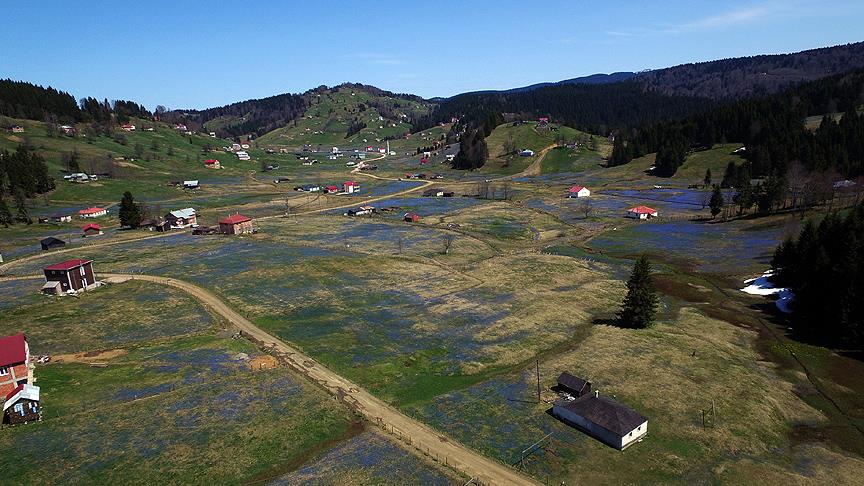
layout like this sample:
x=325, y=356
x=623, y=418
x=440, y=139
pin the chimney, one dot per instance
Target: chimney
x=596, y=393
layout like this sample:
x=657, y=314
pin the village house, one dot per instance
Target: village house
x=182, y=218
x=527, y=153
x=642, y=212
x=128, y=127
x=212, y=164
x=151, y=224
x=603, y=418
x=362, y=210
x=331, y=189
x=17, y=129
x=14, y=362
x=70, y=276
x=433, y=192
x=350, y=187
x=180, y=127
x=572, y=385
x=51, y=243
x=308, y=188
x=92, y=213
x=578, y=191
x=61, y=218
x=411, y=217
x=68, y=130
x=91, y=229
x=236, y=224
x=243, y=155
x=22, y=405
x=190, y=184
x=79, y=177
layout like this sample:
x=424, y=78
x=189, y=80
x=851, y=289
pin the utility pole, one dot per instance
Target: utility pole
x=538, y=380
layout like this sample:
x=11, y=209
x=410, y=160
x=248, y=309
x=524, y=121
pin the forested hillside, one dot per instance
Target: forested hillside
x=824, y=267
x=752, y=76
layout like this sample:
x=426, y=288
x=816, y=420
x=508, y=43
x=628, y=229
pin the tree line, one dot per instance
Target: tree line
x=23, y=174
x=824, y=267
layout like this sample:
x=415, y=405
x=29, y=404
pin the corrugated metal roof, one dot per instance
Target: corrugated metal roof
x=13, y=349
x=67, y=265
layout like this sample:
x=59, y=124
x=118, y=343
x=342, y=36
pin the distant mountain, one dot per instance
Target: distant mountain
x=745, y=77
x=599, y=78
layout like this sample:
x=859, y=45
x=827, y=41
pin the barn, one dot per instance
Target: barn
x=92, y=212
x=22, y=405
x=72, y=275
x=411, y=217
x=51, y=243
x=14, y=362
x=603, y=418
x=236, y=224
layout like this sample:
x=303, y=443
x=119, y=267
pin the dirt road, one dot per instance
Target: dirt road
x=414, y=435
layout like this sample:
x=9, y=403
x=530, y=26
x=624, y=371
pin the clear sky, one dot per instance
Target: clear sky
x=196, y=54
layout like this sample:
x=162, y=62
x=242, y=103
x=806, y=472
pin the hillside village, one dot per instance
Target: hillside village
x=305, y=286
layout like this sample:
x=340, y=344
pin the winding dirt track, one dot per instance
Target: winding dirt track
x=414, y=435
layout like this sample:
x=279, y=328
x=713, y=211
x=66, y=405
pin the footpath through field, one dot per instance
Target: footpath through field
x=415, y=436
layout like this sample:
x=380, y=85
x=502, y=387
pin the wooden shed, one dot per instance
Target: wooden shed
x=73, y=275
x=22, y=405
x=51, y=243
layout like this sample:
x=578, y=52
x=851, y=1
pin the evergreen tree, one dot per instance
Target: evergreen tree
x=5, y=214
x=716, y=203
x=707, y=180
x=130, y=213
x=22, y=215
x=640, y=305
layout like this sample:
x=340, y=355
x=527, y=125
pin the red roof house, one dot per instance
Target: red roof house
x=68, y=276
x=331, y=189
x=236, y=224
x=22, y=405
x=92, y=212
x=642, y=212
x=14, y=362
x=411, y=217
x=578, y=191
x=212, y=164
x=92, y=229
x=350, y=187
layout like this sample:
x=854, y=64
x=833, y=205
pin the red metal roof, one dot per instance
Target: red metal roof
x=14, y=392
x=234, y=219
x=211, y=161
x=91, y=210
x=331, y=188
x=92, y=226
x=642, y=210
x=576, y=188
x=67, y=265
x=349, y=183
x=13, y=349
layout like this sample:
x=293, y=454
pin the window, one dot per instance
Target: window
x=19, y=407
x=631, y=434
x=4, y=371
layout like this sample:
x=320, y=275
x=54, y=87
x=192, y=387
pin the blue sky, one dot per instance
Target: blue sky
x=195, y=54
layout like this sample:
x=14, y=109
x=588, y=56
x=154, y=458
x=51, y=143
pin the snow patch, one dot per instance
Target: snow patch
x=763, y=286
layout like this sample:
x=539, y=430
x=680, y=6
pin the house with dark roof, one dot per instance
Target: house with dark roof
x=573, y=385
x=14, y=362
x=69, y=276
x=603, y=418
x=51, y=243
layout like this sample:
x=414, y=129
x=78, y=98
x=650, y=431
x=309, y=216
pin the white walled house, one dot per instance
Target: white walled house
x=578, y=191
x=603, y=418
x=642, y=212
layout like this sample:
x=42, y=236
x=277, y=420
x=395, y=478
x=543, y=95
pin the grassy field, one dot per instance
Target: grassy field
x=716, y=159
x=175, y=398
x=528, y=136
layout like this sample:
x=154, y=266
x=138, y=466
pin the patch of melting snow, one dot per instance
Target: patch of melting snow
x=763, y=286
